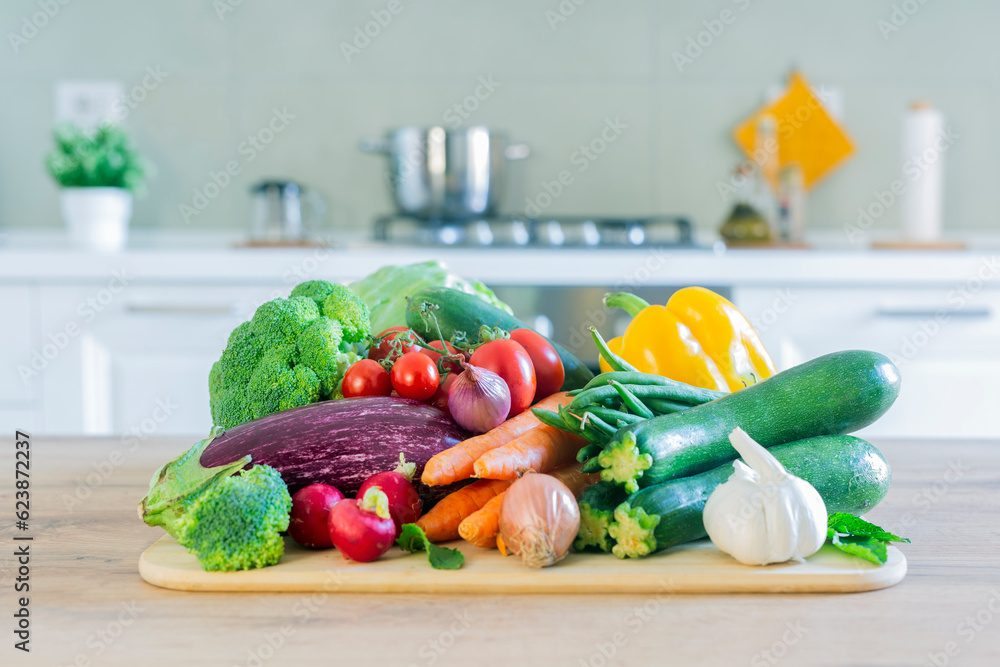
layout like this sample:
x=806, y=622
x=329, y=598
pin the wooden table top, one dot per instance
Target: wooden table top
x=89, y=606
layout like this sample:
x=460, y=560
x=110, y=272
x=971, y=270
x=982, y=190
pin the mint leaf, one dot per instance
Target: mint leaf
x=856, y=536
x=848, y=524
x=869, y=548
x=412, y=538
x=443, y=558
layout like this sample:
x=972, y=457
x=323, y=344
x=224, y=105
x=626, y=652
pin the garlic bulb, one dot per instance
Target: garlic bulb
x=763, y=514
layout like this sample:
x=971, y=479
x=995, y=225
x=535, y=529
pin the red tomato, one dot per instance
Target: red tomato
x=365, y=378
x=415, y=376
x=452, y=366
x=385, y=348
x=440, y=398
x=511, y=362
x=549, y=370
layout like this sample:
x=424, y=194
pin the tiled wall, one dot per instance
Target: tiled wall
x=227, y=65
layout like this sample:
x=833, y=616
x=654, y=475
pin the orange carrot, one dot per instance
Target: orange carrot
x=541, y=449
x=441, y=521
x=481, y=527
x=574, y=479
x=456, y=463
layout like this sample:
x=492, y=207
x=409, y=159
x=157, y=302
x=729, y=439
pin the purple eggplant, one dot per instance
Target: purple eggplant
x=342, y=443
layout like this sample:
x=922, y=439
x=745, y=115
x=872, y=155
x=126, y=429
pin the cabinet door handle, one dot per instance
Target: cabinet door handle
x=975, y=312
x=203, y=310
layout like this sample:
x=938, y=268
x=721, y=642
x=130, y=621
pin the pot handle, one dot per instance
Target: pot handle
x=517, y=151
x=380, y=146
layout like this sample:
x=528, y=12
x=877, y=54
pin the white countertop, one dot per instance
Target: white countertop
x=47, y=259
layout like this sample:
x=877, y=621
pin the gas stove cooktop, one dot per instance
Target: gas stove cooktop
x=548, y=232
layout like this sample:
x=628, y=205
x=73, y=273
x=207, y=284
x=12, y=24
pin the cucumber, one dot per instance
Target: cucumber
x=836, y=393
x=850, y=474
x=597, y=506
x=458, y=311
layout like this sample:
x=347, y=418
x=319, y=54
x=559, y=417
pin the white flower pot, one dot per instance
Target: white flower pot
x=97, y=217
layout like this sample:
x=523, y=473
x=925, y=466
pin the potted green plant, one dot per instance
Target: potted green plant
x=98, y=171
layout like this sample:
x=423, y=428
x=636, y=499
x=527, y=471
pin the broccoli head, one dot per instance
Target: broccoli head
x=292, y=352
x=228, y=517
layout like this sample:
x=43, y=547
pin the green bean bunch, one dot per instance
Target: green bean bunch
x=616, y=399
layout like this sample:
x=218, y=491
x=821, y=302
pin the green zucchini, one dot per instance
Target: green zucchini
x=836, y=393
x=850, y=474
x=458, y=311
x=597, y=506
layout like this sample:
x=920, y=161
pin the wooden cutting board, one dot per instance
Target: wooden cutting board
x=693, y=568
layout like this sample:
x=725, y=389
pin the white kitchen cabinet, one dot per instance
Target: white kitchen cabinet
x=944, y=341
x=137, y=360
x=17, y=341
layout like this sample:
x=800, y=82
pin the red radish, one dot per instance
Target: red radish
x=310, y=513
x=404, y=502
x=362, y=530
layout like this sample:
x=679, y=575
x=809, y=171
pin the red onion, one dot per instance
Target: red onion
x=479, y=399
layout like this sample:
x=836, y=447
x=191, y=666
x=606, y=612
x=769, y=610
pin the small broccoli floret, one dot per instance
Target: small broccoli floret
x=228, y=521
x=279, y=384
x=216, y=388
x=317, y=290
x=292, y=352
x=228, y=402
x=320, y=347
x=346, y=307
x=280, y=320
x=231, y=374
x=237, y=523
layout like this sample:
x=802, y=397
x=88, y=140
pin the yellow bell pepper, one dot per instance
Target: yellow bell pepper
x=698, y=338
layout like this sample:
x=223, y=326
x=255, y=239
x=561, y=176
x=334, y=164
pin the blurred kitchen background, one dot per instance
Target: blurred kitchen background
x=614, y=127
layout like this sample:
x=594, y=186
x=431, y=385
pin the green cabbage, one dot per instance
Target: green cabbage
x=385, y=291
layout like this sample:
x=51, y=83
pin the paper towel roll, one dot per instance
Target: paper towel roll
x=923, y=173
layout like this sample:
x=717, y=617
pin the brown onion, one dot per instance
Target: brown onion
x=539, y=519
x=478, y=399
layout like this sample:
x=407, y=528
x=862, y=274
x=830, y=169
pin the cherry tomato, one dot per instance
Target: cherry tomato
x=509, y=360
x=452, y=366
x=549, y=371
x=440, y=398
x=415, y=376
x=385, y=348
x=366, y=378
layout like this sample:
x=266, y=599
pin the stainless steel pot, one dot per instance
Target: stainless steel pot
x=449, y=174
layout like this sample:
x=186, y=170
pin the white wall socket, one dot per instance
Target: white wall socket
x=88, y=103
